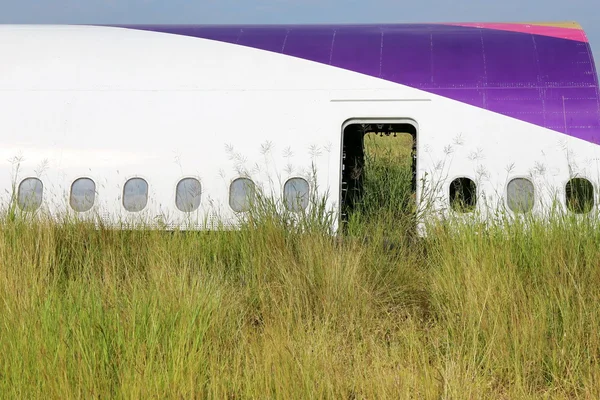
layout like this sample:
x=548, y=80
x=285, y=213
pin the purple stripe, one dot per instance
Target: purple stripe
x=314, y=44
x=358, y=51
x=547, y=81
x=264, y=38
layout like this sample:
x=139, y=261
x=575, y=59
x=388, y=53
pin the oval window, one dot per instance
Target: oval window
x=295, y=193
x=520, y=195
x=463, y=195
x=241, y=194
x=580, y=195
x=30, y=192
x=187, y=196
x=83, y=194
x=135, y=194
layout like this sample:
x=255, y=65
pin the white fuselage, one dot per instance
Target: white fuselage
x=111, y=104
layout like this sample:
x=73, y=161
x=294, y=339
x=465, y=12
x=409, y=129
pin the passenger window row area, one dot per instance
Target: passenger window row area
x=188, y=191
x=520, y=195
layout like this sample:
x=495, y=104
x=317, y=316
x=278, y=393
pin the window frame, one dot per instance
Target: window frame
x=449, y=199
x=95, y=192
x=123, y=193
x=19, y=190
x=284, y=197
x=564, y=192
x=535, y=197
x=229, y=192
x=178, y=181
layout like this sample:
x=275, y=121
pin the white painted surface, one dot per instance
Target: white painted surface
x=111, y=104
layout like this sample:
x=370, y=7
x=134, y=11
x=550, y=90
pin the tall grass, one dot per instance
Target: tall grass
x=271, y=311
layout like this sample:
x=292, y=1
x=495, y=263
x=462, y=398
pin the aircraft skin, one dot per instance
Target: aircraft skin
x=491, y=102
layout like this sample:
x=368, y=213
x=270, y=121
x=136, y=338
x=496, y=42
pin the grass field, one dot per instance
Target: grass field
x=272, y=312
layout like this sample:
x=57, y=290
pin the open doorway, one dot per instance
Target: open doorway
x=379, y=164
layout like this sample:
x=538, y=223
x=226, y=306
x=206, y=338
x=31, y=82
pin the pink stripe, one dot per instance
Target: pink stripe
x=557, y=32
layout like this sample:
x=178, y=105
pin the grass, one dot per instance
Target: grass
x=270, y=311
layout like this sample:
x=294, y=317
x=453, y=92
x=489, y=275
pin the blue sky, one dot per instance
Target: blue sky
x=586, y=12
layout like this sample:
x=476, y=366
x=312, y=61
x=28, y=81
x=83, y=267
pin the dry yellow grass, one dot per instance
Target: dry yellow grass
x=271, y=312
